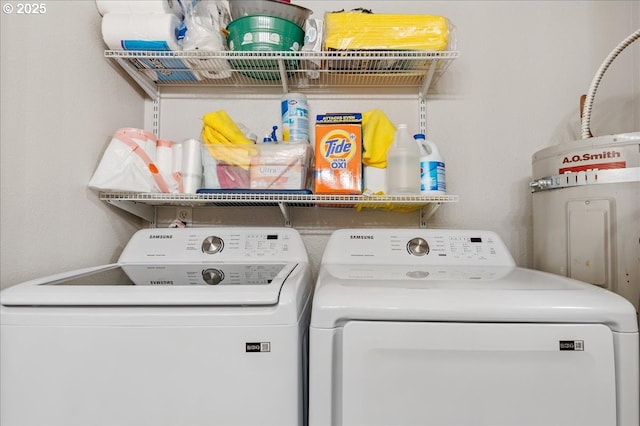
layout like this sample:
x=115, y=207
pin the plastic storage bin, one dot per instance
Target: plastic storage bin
x=258, y=167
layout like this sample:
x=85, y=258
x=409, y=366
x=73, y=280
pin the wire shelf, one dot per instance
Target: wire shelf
x=301, y=70
x=292, y=200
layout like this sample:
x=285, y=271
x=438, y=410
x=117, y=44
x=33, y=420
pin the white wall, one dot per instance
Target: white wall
x=514, y=91
x=61, y=101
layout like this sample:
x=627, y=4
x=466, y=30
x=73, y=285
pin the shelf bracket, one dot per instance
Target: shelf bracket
x=286, y=213
x=426, y=212
x=426, y=82
x=143, y=211
x=422, y=116
x=146, y=84
x=283, y=75
x=156, y=114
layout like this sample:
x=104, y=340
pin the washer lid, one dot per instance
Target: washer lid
x=229, y=284
x=463, y=294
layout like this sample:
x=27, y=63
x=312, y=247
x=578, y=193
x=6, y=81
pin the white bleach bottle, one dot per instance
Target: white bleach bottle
x=432, y=168
x=403, y=164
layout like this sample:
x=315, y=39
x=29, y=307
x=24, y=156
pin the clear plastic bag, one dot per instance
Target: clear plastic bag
x=129, y=165
x=205, y=21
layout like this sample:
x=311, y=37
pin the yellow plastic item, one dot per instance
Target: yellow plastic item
x=223, y=124
x=237, y=155
x=210, y=136
x=377, y=136
x=392, y=207
x=371, y=31
x=225, y=141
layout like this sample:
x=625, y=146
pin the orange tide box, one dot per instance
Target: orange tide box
x=338, y=154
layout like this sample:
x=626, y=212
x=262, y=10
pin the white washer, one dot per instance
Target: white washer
x=439, y=327
x=196, y=326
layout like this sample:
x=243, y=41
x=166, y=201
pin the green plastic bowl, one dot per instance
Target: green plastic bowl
x=261, y=33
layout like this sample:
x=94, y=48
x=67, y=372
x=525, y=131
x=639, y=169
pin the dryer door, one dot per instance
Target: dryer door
x=403, y=373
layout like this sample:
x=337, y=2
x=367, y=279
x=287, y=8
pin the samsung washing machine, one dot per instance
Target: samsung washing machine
x=439, y=327
x=196, y=326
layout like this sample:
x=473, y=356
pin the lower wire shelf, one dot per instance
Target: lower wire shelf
x=143, y=204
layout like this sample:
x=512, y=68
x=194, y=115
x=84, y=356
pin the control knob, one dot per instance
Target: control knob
x=418, y=247
x=212, y=245
x=212, y=276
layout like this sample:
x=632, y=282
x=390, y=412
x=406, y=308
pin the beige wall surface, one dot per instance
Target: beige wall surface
x=61, y=101
x=513, y=91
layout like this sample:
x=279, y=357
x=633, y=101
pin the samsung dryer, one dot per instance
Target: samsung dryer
x=195, y=326
x=440, y=327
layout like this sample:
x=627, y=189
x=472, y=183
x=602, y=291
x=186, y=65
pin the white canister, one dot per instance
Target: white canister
x=295, y=118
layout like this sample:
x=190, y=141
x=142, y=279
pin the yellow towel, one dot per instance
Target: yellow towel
x=377, y=136
x=355, y=30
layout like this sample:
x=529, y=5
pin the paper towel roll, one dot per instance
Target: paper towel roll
x=122, y=31
x=140, y=6
x=191, y=165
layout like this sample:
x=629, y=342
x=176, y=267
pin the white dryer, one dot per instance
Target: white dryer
x=196, y=326
x=439, y=327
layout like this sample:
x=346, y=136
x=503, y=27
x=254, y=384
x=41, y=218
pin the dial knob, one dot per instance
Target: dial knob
x=212, y=276
x=418, y=247
x=212, y=245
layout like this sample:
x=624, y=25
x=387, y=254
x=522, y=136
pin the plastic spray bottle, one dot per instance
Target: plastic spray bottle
x=403, y=164
x=432, y=168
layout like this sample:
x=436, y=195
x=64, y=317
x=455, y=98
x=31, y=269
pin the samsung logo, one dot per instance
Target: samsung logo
x=361, y=237
x=168, y=282
x=160, y=237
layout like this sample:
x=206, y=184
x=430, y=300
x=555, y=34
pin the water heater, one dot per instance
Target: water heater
x=586, y=203
x=586, y=212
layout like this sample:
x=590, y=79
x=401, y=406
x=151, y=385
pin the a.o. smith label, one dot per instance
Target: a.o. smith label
x=258, y=347
x=572, y=345
x=591, y=160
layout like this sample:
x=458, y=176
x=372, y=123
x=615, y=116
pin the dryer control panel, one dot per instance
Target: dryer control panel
x=417, y=246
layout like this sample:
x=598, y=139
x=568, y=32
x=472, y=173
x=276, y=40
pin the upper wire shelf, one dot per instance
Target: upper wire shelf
x=307, y=71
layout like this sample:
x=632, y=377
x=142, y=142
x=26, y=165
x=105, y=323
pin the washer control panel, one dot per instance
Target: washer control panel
x=417, y=246
x=225, y=244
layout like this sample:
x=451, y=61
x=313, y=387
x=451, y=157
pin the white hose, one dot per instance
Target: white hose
x=588, y=104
